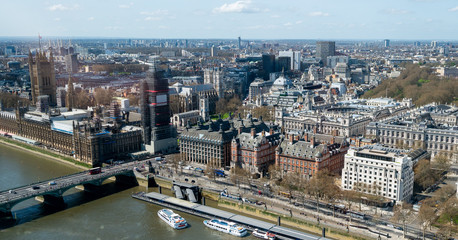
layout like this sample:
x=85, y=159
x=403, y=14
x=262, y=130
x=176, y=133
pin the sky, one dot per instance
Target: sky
x=224, y=19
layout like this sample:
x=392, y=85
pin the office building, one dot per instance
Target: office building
x=324, y=49
x=381, y=171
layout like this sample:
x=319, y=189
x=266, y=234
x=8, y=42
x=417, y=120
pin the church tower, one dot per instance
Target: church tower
x=42, y=77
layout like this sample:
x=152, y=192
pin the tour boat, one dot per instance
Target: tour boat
x=263, y=235
x=172, y=219
x=226, y=227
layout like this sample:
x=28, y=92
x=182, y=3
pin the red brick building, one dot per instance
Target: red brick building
x=311, y=154
x=255, y=151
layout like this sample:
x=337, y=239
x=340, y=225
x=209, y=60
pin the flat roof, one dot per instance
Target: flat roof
x=294, y=233
x=253, y=222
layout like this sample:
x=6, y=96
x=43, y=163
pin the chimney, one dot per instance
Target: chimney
x=290, y=138
x=314, y=130
x=332, y=140
x=312, y=141
x=253, y=132
x=263, y=133
x=296, y=137
x=271, y=131
x=240, y=130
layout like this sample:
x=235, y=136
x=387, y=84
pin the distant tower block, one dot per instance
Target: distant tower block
x=70, y=94
x=387, y=42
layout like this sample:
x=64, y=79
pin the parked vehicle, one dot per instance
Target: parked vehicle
x=52, y=183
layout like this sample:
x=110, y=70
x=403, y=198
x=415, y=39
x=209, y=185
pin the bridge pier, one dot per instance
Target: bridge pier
x=126, y=180
x=91, y=188
x=7, y=215
x=55, y=201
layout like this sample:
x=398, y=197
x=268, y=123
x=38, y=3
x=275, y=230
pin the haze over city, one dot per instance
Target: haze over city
x=251, y=19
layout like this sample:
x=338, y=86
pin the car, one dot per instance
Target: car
x=187, y=167
x=12, y=191
x=186, y=180
x=390, y=225
x=36, y=187
x=54, y=183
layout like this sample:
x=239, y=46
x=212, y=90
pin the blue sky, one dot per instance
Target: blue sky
x=250, y=19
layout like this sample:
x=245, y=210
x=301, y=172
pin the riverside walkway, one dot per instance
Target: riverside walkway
x=209, y=212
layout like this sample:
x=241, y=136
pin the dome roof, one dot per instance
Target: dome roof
x=282, y=81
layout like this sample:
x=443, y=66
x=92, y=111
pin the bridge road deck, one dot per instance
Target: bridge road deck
x=10, y=197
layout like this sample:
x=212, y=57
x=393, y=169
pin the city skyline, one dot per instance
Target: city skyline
x=223, y=19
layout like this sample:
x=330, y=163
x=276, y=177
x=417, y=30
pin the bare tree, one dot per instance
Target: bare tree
x=402, y=214
x=426, y=216
x=237, y=175
x=175, y=161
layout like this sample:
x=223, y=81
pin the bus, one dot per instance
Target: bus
x=95, y=170
x=284, y=194
x=359, y=215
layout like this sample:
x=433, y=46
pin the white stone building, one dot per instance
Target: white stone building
x=377, y=170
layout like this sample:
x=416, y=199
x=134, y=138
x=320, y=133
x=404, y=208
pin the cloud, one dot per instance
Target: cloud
x=275, y=16
x=287, y=24
x=393, y=11
x=242, y=6
x=57, y=19
x=61, y=7
x=299, y=22
x=126, y=5
x=90, y=18
x=318, y=14
x=57, y=7
x=453, y=9
x=157, y=15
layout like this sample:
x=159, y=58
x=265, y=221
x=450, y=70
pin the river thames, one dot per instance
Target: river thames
x=111, y=214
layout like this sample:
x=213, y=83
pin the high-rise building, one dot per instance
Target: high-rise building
x=283, y=64
x=324, y=49
x=433, y=44
x=387, y=42
x=295, y=58
x=268, y=64
x=42, y=77
x=71, y=63
x=239, y=43
x=158, y=135
x=70, y=95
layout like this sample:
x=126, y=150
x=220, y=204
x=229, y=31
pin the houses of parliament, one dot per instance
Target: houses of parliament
x=87, y=136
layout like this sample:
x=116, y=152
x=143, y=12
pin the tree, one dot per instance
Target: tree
x=82, y=99
x=318, y=186
x=175, y=161
x=448, y=218
x=275, y=173
x=402, y=214
x=237, y=175
x=103, y=96
x=290, y=182
x=425, y=176
x=426, y=216
x=210, y=168
x=441, y=162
